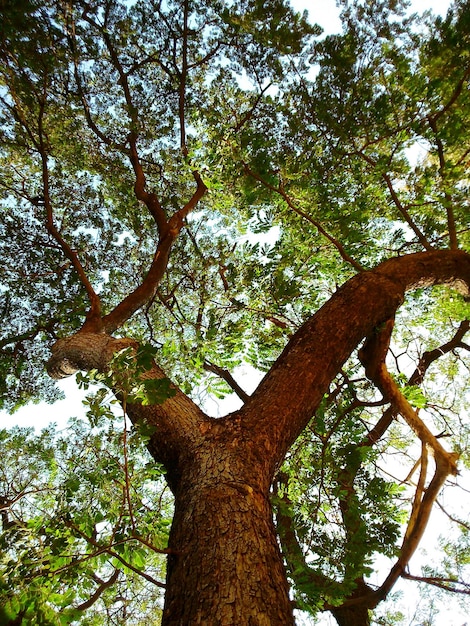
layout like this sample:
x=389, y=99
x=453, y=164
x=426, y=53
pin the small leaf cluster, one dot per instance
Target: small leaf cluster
x=126, y=377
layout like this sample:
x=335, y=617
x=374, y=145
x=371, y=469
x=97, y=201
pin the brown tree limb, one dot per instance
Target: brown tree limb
x=148, y=288
x=447, y=584
x=148, y=198
x=28, y=335
x=41, y=145
x=432, y=355
x=289, y=394
x=94, y=314
x=373, y=357
x=416, y=378
x=144, y=292
x=177, y=423
x=229, y=379
x=392, y=392
x=168, y=229
x=98, y=592
x=398, y=203
x=416, y=526
x=453, y=98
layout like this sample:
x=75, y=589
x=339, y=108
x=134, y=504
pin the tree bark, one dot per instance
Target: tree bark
x=225, y=568
x=352, y=615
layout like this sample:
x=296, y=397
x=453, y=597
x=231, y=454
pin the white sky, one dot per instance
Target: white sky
x=325, y=12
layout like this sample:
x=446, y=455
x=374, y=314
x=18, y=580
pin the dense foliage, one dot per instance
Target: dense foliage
x=289, y=162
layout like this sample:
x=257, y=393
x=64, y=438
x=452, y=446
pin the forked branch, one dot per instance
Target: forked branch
x=168, y=229
x=373, y=357
x=94, y=314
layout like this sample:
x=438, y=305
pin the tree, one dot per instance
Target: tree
x=183, y=193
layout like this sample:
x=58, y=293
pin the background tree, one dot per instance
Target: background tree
x=208, y=185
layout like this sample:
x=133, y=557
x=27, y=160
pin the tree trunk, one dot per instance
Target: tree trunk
x=225, y=567
x=352, y=615
x=355, y=611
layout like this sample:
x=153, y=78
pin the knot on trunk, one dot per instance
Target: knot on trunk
x=83, y=351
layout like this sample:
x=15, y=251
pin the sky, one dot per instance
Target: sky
x=325, y=13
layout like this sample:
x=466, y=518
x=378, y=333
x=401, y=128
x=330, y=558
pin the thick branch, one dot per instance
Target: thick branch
x=416, y=378
x=178, y=423
x=373, y=357
x=148, y=288
x=168, y=229
x=415, y=529
x=144, y=292
x=148, y=198
x=289, y=394
x=392, y=393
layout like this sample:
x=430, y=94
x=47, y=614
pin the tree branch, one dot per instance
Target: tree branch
x=373, y=356
x=183, y=76
x=282, y=192
x=398, y=203
x=288, y=396
x=229, y=379
x=448, y=584
x=453, y=98
x=94, y=315
x=416, y=379
x=168, y=229
x=99, y=591
x=176, y=423
x=447, y=196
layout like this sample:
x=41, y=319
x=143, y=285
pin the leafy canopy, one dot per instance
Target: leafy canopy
x=321, y=157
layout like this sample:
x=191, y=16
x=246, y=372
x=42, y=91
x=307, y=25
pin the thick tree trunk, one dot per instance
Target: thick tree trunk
x=226, y=568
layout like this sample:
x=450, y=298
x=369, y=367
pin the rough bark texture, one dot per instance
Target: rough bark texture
x=225, y=568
